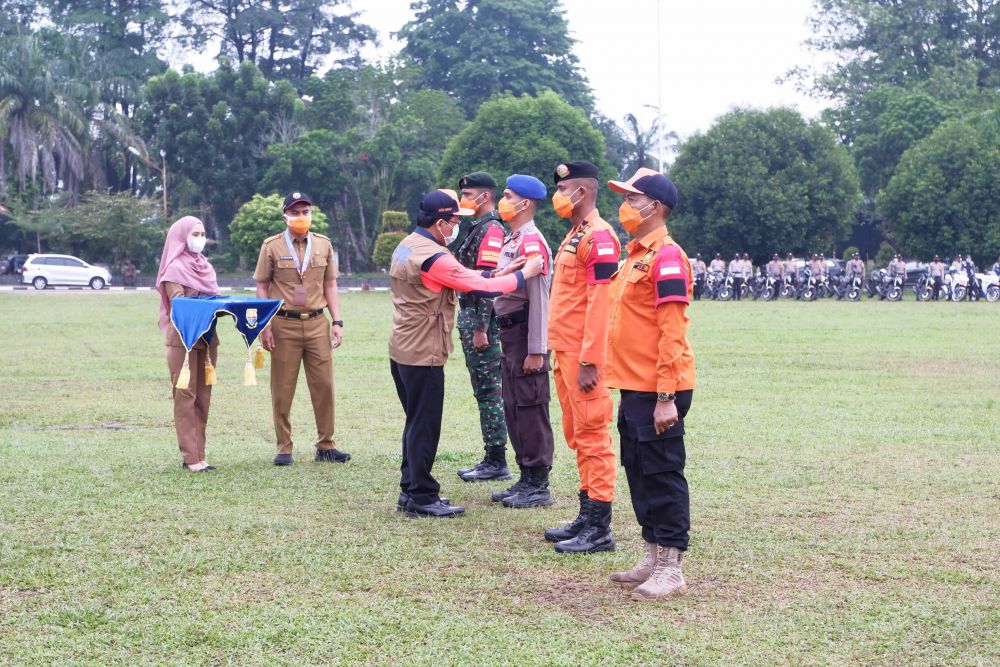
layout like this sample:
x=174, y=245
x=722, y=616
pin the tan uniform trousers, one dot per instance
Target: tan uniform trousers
x=191, y=404
x=298, y=342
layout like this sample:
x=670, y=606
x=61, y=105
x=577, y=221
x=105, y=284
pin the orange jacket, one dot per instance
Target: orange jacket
x=578, y=306
x=648, y=349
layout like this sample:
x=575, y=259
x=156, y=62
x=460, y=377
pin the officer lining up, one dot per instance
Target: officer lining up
x=607, y=325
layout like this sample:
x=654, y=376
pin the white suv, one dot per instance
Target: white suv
x=44, y=270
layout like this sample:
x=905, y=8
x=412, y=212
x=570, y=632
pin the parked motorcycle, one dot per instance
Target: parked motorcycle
x=808, y=291
x=726, y=290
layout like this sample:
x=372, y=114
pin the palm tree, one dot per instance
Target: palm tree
x=643, y=144
x=42, y=118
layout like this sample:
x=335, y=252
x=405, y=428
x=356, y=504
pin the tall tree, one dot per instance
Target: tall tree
x=474, y=49
x=285, y=39
x=945, y=195
x=763, y=182
x=527, y=135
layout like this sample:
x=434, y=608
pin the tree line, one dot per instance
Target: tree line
x=95, y=114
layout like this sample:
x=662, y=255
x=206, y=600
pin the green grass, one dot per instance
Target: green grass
x=843, y=461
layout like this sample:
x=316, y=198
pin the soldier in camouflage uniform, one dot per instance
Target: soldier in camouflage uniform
x=477, y=326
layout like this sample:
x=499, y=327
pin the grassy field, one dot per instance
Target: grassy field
x=844, y=461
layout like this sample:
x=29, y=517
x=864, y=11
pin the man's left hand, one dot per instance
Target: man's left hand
x=480, y=341
x=533, y=363
x=664, y=416
x=587, y=378
x=336, y=336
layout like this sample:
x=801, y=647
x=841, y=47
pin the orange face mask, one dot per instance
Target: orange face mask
x=465, y=202
x=507, y=210
x=563, y=204
x=631, y=217
x=299, y=224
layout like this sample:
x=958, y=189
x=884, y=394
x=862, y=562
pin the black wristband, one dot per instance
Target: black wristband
x=339, y=323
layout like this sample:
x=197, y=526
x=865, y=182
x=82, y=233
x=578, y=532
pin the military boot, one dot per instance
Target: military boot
x=513, y=489
x=492, y=467
x=639, y=573
x=573, y=528
x=535, y=492
x=595, y=536
x=666, y=579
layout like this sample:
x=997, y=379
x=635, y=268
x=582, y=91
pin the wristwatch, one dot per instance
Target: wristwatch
x=339, y=323
x=665, y=398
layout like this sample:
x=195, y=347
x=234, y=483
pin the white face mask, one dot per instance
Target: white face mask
x=448, y=240
x=196, y=243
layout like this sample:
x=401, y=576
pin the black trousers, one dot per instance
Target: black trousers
x=938, y=283
x=421, y=393
x=654, y=467
x=737, y=288
x=525, y=400
x=699, y=287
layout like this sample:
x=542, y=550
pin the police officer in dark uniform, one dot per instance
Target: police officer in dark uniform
x=477, y=325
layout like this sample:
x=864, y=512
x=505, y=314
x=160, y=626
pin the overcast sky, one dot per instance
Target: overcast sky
x=715, y=55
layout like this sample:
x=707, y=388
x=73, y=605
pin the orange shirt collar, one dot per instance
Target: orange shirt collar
x=648, y=240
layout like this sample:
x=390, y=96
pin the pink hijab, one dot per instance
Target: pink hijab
x=180, y=265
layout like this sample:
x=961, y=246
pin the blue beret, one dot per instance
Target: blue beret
x=526, y=186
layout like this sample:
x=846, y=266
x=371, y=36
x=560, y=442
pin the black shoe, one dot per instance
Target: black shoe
x=486, y=471
x=513, y=489
x=332, y=456
x=535, y=492
x=596, y=535
x=283, y=460
x=437, y=509
x=404, y=497
x=573, y=528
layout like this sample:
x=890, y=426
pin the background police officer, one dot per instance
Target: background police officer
x=523, y=318
x=299, y=267
x=936, y=272
x=477, y=328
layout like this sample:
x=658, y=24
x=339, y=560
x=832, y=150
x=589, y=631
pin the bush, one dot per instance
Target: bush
x=261, y=217
x=848, y=252
x=885, y=254
x=385, y=245
x=395, y=221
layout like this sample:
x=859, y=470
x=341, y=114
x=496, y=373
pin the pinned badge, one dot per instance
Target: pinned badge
x=562, y=171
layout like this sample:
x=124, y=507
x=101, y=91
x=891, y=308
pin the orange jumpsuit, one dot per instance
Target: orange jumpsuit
x=578, y=329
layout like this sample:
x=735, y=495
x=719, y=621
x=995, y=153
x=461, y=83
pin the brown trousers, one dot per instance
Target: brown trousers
x=296, y=343
x=191, y=404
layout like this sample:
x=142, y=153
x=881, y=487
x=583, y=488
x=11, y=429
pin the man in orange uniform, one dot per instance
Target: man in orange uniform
x=578, y=328
x=650, y=361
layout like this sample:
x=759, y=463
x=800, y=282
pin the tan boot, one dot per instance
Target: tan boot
x=639, y=573
x=666, y=579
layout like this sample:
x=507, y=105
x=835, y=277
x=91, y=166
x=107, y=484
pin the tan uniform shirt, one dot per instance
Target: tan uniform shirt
x=856, y=266
x=535, y=293
x=717, y=266
x=937, y=270
x=276, y=266
x=790, y=268
x=774, y=268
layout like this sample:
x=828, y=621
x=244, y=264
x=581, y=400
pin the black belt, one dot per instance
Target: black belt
x=289, y=315
x=507, y=321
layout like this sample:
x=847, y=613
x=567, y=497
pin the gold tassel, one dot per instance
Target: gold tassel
x=209, y=373
x=249, y=376
x=184, y=377
x=258, y=358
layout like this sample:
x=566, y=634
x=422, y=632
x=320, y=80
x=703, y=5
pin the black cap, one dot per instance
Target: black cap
x=477, y=179
x=575, y=169
x=295, y=198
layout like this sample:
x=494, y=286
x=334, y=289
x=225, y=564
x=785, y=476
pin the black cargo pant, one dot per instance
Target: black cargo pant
x=525, y=400
x=421, y=393
x=654, y=467
x=737, y=287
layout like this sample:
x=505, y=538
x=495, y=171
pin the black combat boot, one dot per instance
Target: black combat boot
x=596, y=535
x=492, y=467
x=573, y=528
x=535, y=493
x=513, y=489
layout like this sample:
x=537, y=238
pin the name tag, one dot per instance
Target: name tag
x=286, y=257
x=639, y=266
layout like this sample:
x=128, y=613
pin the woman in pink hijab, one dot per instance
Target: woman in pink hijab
x=184, y=271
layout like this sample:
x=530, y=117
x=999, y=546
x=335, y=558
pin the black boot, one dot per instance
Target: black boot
x=596, y=535
x=492, y=467
x=573, y=528
x=535, y=493
x=513, y=489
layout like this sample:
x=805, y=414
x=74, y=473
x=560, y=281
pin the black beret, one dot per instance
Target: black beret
x=575, y=169
x=477, y=179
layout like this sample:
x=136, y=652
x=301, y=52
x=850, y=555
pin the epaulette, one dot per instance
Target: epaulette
x=272, y=238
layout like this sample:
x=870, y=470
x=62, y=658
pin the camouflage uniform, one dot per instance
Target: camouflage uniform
x=476, y=314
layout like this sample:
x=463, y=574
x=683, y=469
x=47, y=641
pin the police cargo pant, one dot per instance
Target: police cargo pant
x=421, y=393
x=654, y=467
x=586, y=422
x=191, y=404
x=302, y=343
x=484, y=373
x=525, y=400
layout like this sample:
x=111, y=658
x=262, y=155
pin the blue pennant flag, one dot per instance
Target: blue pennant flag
x=195, y=317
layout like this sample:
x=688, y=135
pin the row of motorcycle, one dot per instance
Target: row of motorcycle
x=956, y=285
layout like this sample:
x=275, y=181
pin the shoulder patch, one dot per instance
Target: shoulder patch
x=671, y=275
x=602, y=262
x=534, y=244
x=488, y=254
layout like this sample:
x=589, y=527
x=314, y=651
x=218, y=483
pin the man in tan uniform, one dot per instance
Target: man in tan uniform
x=299, y=267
